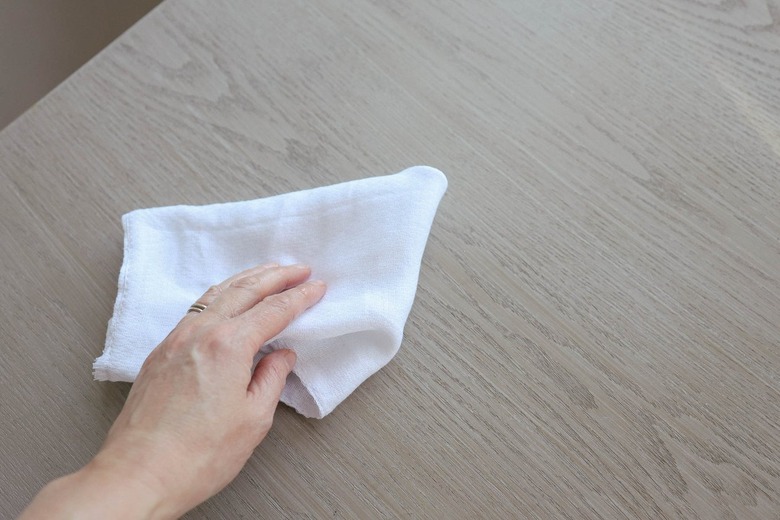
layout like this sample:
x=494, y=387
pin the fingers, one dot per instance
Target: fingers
x=271, y=316
x=269, y=378
x=215, y=290
x=243, y=293
x=262, y=301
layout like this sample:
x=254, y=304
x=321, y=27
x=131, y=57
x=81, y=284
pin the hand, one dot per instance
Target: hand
x=197, y=410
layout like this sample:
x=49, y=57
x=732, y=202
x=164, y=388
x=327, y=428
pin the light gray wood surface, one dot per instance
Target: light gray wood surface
x=596, y=328
x=43, y=41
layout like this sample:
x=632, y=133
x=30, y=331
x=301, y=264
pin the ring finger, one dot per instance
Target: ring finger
x=214, y=291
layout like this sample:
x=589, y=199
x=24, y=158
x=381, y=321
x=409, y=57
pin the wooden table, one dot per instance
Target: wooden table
x=597, y=328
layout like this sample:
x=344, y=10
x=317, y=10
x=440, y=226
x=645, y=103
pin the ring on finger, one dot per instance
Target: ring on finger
x=197, y=307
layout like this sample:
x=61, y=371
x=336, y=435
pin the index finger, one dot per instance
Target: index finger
x=272, y=315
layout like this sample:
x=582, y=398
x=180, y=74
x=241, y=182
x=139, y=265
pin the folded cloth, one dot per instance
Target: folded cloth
x=364, y=238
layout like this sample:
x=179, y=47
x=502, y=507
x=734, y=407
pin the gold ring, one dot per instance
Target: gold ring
x=196, y=307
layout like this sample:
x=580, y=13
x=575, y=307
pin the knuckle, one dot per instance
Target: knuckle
x=279, y=303
x=275, y=373
x=215, y=338
x=248, y=282
x=181, y=338
x=223, y=313
x=306, y=290
x=213, y=291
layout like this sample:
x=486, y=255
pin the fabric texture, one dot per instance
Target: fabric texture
x=364, y=238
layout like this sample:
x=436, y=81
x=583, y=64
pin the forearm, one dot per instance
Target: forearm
x=98, y=492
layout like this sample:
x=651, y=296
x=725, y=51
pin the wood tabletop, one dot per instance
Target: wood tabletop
x=596, y=332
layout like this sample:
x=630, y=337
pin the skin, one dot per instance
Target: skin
x=197, y=410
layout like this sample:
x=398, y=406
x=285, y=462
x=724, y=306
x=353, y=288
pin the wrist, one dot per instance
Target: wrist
x=98, y=491
x=125, y=489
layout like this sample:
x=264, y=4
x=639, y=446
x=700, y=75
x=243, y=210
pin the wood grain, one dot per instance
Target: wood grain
x=596, y=329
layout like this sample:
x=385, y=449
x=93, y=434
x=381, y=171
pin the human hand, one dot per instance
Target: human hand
x=197, y=410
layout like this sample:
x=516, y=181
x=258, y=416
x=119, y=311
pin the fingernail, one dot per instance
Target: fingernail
x=318, y=283
x=300, y=266
x=290, y=357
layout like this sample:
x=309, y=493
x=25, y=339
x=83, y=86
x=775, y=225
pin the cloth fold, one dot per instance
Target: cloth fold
x=364, y=238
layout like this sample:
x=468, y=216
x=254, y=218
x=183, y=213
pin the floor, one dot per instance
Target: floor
x=596, y=332
x=42, y=42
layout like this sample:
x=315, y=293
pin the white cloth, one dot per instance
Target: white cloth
x=364, y=238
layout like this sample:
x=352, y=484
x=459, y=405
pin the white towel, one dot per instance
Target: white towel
x=364, y=238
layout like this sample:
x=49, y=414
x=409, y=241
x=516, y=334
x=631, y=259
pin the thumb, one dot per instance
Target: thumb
x=269, y=377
